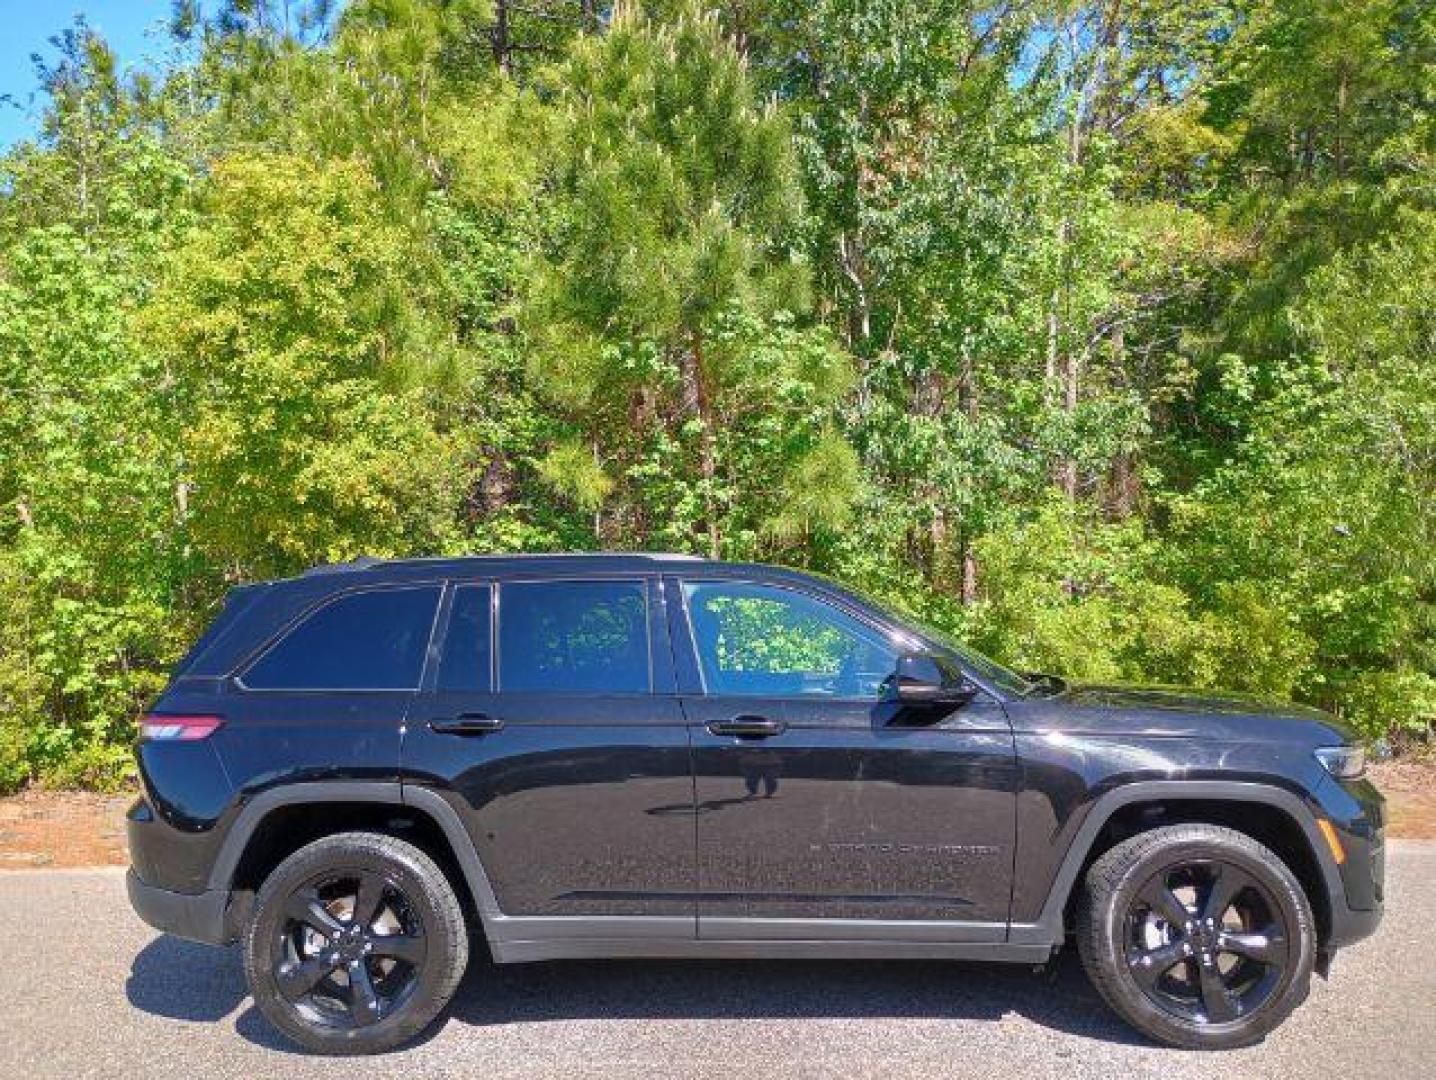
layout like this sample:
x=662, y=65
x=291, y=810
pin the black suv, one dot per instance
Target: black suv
x=357, y=770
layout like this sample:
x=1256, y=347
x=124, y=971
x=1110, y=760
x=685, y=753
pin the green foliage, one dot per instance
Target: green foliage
x=1098, y=335
x=763, y=635
x=285, y=326
x=571, y=469
x=667, y=304
x=1339, y=465
x=92, y=553
x=1400, y=703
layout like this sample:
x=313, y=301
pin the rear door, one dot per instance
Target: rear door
x=550, y=723
x=816, y=800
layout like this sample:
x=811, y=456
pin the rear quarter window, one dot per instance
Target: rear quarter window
x=372, y=640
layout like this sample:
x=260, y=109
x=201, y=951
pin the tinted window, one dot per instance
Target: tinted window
x=365, y=641
x=465, y=665
x=574, y=636
x=759, y=640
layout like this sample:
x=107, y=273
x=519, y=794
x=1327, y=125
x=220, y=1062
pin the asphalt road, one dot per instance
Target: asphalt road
x=88, y=990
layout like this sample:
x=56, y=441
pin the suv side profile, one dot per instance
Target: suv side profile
x=358, y=772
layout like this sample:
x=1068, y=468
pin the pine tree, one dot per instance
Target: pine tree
x=671, y=265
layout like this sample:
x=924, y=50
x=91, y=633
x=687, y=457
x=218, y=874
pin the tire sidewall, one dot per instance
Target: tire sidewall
x=1110, y=923
x=414, y=874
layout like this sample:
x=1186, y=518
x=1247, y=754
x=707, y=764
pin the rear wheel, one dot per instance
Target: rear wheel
x=357, y=943
x=1197, y=935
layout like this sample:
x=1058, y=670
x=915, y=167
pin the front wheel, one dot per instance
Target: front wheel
x=1197, y=935
x=356, y=944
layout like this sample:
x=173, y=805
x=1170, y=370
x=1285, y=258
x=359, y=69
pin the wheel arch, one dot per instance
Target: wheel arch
x=389, y=803
x=1319, y=877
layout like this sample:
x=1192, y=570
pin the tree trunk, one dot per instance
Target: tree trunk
x=494, y=489
x=850, y=259
x=937, y=536
x=642, y=416
x=697, y=404
x=1124, y=466
x=1071, y=380
x=502, y=52
x=1341, y=91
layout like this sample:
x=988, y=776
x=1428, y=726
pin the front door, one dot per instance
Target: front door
x=552, y=727
x=815, y=800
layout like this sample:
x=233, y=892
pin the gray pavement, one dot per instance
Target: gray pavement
x=88, y=990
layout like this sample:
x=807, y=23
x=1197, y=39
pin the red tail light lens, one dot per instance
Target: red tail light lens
x=158, y=727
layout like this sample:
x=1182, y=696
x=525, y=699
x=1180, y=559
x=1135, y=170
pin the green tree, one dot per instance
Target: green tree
x=282, y=324
x=662, y=308
x=1096, y=332
x=1341, y=465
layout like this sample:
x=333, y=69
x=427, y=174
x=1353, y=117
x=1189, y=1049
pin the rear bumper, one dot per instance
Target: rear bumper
x=194, y=916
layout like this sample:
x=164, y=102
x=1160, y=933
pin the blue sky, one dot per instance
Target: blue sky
x=26, y=27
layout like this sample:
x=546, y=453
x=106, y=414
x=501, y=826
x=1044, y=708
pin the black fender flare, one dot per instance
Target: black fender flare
x=390, y=793
x=1049, y=929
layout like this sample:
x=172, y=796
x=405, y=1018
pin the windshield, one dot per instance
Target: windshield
x=985, y=668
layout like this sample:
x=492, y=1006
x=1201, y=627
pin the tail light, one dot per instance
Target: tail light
x=158, y=727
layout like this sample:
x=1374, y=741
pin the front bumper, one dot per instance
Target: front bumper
x=1350, y=925
x=1356, y=811
x=194, y=916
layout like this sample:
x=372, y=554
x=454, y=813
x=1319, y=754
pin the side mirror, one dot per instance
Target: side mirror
x=925, y=679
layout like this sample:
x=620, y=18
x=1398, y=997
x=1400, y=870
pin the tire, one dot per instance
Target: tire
x=1178, y=980
x=376, y=982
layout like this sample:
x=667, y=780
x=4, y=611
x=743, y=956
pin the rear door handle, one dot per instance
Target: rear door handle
x=472, y=723
x=751, y=727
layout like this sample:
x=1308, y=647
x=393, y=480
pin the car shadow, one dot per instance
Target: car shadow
x=1059, y=997
x=179, y=980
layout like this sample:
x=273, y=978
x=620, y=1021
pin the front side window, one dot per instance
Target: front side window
x=363, y=641
x=765, y=641
x=573, y=636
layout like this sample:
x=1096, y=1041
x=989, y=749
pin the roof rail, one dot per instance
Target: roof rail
x=367, y=562
x=363, y=562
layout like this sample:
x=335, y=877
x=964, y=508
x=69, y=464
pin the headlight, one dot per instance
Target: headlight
x=1343, y=762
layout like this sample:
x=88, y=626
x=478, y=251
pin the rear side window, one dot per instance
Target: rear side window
x=466, y=661
x=364, y=641
x=564, y=636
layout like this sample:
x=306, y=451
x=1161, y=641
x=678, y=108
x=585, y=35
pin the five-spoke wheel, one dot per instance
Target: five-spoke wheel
x=350, y=948
x=1198, y=935
x=1206, y=940
x=357, y=943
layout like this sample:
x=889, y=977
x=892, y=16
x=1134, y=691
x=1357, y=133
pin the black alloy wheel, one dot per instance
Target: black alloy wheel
x=1198, y=935
x=357, y=943
x=349, y=949
x=1206, y=941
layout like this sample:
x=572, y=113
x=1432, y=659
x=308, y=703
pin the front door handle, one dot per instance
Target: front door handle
x=750, y=727
x=472, y=723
